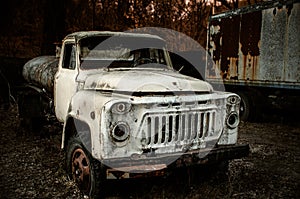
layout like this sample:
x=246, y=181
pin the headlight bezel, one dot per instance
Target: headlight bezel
x=233, y=120
x=233, y=99
x=117, y=128
x=121, y=108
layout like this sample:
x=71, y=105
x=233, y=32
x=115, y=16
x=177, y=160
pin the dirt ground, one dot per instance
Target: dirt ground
x=33, y=167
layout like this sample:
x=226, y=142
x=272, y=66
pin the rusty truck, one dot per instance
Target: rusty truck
x=125, y=112
x=256, y=51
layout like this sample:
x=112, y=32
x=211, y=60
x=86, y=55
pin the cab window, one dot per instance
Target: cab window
x=69, y=57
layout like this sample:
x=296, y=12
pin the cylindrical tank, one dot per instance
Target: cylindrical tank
x=40, y=71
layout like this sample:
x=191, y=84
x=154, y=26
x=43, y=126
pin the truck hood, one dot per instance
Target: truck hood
x=149, y=81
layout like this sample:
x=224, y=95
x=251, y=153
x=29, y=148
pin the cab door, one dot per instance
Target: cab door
x=65, y=80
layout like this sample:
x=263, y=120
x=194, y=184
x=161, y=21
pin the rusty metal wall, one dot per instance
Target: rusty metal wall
x=258, y=45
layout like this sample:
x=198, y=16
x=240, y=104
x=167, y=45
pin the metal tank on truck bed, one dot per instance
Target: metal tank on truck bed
x=256, y=51
x=41, y=71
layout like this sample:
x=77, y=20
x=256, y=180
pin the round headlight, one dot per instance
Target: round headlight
x=121, y=108
x=120, y=132
x=233, y=99
x=233, y=120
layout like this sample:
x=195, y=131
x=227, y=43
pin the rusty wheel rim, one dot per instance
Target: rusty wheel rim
x=81, y=170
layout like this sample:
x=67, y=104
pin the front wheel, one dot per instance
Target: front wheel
x=84, y=169
x=251, y=105
x=245, y=106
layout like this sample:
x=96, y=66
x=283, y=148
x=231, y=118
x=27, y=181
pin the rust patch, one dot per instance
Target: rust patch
x=230, y=43
x=244, y=66
x=249, y=39
x=105, y=85
x=216, y=39
x=93, y=85
x=250, y=33
x=230, y=34
x=238, y=35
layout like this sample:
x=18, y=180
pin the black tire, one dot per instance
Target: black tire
x=246, y=108
x=82, y=168
x=251, y=105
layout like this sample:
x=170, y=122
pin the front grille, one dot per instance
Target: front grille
x=183, y=127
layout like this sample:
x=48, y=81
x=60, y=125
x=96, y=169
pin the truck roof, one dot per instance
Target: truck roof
x=83, y=34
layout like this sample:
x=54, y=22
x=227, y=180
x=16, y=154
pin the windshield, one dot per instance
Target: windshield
x=121, y=52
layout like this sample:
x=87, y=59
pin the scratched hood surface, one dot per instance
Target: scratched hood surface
x=145, y=81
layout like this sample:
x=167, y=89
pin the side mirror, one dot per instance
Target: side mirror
x=57, y=51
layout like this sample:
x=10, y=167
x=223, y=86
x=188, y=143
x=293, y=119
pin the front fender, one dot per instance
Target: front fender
x=85, y=111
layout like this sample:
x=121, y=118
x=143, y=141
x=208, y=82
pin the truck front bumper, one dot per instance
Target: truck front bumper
x=151, y=164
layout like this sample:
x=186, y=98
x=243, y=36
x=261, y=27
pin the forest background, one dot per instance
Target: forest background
x=30, y=28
